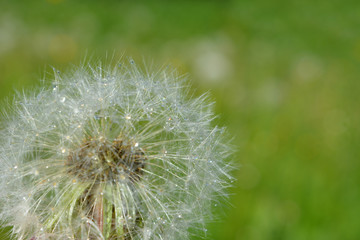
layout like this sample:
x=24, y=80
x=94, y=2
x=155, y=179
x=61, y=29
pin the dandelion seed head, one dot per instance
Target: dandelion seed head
x=111, y=153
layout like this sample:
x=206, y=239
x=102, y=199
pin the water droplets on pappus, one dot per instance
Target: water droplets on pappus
x=114, y=153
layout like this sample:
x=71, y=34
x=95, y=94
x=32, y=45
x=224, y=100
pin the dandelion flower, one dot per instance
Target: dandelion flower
x=111, y=153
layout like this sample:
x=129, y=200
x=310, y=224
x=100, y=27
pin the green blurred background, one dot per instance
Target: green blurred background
x=285, y=76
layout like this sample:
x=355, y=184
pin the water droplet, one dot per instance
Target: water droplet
x=15, y=167
x=164, y=152
x=55, y=87
x=170, y=124
x=128, y=117
x=136, y=144
x=63, y=150
x=62, y=99
x=47, y=167
x=179, y=216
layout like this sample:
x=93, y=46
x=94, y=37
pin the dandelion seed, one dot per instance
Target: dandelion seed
x=134, y=158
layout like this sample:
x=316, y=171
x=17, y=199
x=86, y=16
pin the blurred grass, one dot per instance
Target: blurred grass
x=284, y=74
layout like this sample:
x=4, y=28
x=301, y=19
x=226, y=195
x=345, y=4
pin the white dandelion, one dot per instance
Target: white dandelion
x=111, y=153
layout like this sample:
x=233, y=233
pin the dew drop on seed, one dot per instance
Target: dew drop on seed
x=62, y=99
x=128, y=117
x=165, y=152
x=55, y=87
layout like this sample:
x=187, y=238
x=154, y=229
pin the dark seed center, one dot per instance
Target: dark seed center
x=98, y=161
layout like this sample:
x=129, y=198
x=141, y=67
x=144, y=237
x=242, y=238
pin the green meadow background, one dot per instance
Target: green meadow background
x=285, y=76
